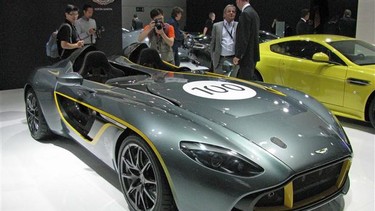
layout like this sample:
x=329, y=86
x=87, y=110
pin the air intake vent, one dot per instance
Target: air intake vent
x=278, y=142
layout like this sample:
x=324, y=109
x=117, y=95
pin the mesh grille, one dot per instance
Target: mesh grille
x=316, y=182
x=307, y=186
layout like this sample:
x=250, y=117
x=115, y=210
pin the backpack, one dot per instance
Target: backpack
x=51, y=46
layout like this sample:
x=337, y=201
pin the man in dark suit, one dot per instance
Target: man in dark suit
x=247, y=40
x=303, y=26
x=347, y=24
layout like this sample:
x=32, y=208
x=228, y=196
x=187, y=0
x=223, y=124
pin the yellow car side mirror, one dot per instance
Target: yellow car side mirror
x=320, y=57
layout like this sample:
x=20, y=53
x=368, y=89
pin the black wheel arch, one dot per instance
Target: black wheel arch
x=44, y=131
x=127, y=132
x=259, y=74
x=26, y=88
x=368, y=103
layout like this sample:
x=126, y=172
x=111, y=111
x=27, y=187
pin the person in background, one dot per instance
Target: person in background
x=136, y=23
x=247, y=40
x=273, y=26
x=160, y=34
x=223, y=38
x=304, y=26
x=176, y=16
x=331, y=27
x=86, y=25
x=67, y=37
x=347, y=24
x=209, y=23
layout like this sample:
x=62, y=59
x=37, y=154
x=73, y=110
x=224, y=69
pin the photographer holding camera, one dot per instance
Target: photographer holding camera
x=86, y=26
x=160, y=34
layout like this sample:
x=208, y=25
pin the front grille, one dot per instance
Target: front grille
x=307, y=188
x=316, y=182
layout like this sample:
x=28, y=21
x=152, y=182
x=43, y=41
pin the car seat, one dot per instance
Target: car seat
x=150, y=57
x=96, y=67
x=133, y=50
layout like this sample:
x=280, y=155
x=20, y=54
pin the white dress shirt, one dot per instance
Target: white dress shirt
x=228, y=39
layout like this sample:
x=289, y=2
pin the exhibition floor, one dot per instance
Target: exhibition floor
x=59, y=175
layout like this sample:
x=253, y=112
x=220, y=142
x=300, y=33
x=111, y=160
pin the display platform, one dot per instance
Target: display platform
x=59, y=175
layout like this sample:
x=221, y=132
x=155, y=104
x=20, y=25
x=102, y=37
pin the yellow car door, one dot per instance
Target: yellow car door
x=323, y=80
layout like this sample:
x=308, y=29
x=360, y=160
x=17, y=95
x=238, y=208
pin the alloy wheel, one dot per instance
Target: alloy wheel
x=32, y=113
x=138, y=177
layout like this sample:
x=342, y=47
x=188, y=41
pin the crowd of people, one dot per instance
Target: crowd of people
x=346, y=25
x=166, y=36
x=231, y=41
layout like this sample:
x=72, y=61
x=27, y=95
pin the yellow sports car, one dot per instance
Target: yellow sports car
x=338, y=71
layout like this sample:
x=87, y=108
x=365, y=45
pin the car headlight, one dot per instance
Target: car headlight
x=220, y=159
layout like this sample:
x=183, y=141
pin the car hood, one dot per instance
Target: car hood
x=279, y=124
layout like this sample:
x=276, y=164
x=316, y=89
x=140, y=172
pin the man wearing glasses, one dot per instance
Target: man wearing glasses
x=67, y=38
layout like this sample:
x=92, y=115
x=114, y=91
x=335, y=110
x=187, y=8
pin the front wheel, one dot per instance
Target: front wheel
x=35, y=119
x=371, y=112
x=141, y=177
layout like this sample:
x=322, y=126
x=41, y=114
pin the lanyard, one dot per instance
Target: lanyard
x=231, y=31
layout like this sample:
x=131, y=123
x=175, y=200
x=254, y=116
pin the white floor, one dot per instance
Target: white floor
x=59, y=175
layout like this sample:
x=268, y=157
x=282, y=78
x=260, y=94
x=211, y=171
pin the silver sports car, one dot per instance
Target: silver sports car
x=192, y=141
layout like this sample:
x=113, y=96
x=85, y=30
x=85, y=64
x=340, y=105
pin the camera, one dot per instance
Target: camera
x=158, y=24
x=99, y=32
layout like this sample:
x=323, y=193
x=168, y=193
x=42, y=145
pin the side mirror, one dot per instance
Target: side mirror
x=321, y=57
x=72, y=78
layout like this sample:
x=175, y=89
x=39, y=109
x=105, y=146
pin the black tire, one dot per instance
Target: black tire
x=141, y=177
x=257, y=76
x=35, y=119
x=371, y=112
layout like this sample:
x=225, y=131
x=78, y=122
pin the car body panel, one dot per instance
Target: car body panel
x=263, y=123
x=327, y=80
x=343, y=87
x=282, y=115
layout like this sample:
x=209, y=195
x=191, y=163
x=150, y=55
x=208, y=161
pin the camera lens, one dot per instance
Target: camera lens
x=159, y=26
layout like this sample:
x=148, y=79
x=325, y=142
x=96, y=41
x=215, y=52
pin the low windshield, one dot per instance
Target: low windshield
x=359, y=52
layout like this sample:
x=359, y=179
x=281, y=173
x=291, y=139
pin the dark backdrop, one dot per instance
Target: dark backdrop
x=285, y=10
x=268, y=10
x=25, y=26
